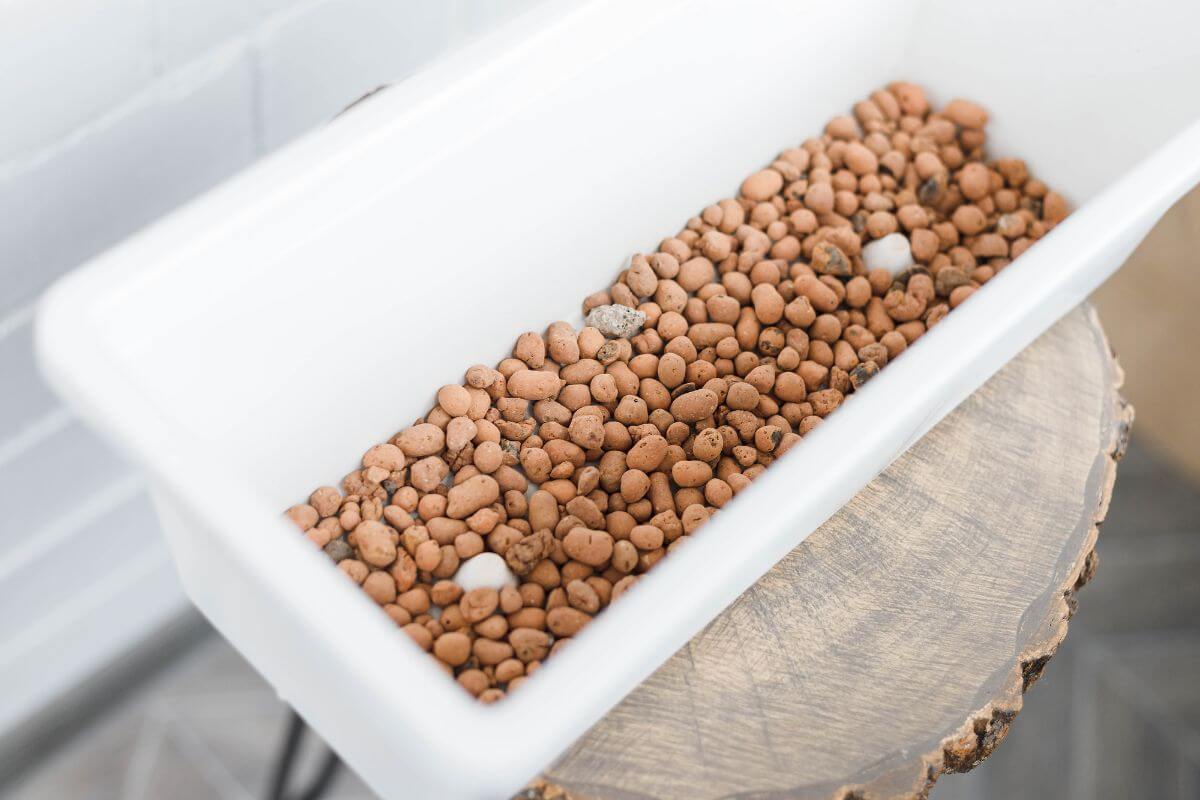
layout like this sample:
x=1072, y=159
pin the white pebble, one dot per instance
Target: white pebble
x=616, y=321
x=892, y=253
x=484, y=570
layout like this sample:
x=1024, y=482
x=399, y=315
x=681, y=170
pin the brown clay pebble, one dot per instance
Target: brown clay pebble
x=453, y=648
x=695, y=405
x=304, y=515
x=454, y=400
x=762, y=185
x=566, y=621
x=530, y=384
x=591, y=454
x=589, y=547
x=422, y=440
x=471, y=495
x=374, y=542
x=478, y=604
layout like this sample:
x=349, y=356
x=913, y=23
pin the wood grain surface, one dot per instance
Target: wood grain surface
x=897, y=642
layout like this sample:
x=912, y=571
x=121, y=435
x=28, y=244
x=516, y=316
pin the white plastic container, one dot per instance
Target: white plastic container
x=251, y=346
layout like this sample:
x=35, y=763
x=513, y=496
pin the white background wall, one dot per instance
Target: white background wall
x=113, y=112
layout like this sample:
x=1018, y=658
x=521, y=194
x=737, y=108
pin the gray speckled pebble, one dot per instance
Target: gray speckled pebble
x=616, y=321
x=338, y=550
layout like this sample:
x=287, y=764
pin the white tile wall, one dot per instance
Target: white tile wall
x=60, y=471
x=314, y=64
x=177, y=136
x=186, y=30
x=65, y=62
x=114, y=113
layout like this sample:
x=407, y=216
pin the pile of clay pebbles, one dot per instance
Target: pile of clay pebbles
x=536, y=492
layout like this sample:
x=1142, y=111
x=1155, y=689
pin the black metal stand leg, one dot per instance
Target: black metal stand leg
x=281, y=775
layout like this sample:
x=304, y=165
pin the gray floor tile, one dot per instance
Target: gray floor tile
x=183, y=769
x=1143, y=583
x=1149, y=499
x=208, y=727
x=241, y=732
x=1139, y=744
x=1166, y=668
x=92, y=767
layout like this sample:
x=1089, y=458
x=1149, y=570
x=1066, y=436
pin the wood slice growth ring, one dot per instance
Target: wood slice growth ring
x=896, y=643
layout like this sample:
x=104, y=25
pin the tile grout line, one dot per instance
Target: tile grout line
x=185, y=77
x=16, y=319
x=145, y=754
x=43, y=540
x=182, y=81
x=258, y=121
x=156, y=17
x=207, y=762
x=33, y=434
x=111, y=585
x=255, y=37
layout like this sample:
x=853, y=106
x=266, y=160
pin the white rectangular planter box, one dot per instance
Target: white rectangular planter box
x=251, y=346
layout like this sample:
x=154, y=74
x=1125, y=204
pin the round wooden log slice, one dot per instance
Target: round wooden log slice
x=896, y=643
